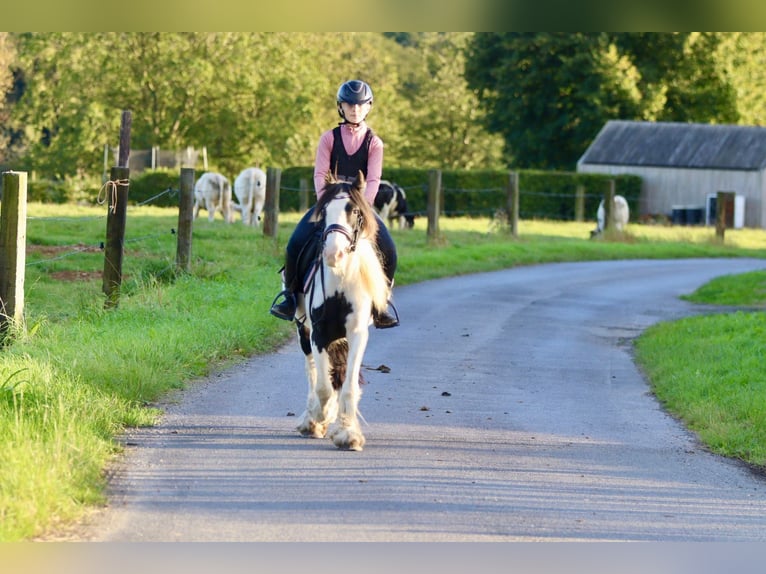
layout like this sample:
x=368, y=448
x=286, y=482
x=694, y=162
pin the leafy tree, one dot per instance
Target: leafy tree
x=446, y=122
x=548, y=94
x=741, y=58
x=685, y=69
x=249, y=98
x=7, y=60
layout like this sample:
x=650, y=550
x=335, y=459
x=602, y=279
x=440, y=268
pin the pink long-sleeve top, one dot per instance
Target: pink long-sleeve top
x=352, y=140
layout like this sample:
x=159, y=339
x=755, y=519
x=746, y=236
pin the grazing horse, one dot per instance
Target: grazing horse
x=250, y=189
x=335, y=312
x=213, y=192
x=621, y=216
x=391, y=204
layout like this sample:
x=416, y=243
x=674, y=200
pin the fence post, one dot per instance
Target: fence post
x=185, y=219
x=271, y=205
x=724, y=208
x=114, y=247
x=303, y=204
x=13, y=244
x=513, y=203
x=580, y=203
x=117, y=194
x=434, y=187
x=609, y=207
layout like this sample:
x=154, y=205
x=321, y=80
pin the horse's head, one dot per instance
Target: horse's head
x=348, y=218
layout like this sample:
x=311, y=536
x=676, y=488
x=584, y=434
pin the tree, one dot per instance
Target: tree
x=548, y=94
x=7, y=61
x=446, y=125
x=249, y=98
x=741, y=57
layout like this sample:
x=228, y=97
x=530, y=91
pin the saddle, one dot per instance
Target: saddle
x=308, y=260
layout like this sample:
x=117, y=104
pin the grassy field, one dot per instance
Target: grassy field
x=79, y=374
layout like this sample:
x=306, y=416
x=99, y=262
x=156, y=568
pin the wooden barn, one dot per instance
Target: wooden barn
x=684, y=165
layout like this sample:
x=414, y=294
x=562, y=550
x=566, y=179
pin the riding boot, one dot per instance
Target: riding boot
x=285, y=309
x=384, y=319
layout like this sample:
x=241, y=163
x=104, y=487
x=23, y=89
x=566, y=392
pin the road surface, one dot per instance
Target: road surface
x=512, y=411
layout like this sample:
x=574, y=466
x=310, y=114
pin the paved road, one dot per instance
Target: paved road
x=512, y=412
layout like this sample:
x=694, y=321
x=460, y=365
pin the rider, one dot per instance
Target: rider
x=343, y=151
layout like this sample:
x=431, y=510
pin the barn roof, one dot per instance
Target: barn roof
x=669, y=144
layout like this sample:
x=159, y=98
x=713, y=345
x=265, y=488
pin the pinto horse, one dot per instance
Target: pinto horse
x=335, y=311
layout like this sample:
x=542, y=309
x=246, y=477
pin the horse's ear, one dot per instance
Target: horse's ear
x=329, y=178
x=360, y=182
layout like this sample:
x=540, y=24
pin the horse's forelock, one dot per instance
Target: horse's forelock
x=369, y=223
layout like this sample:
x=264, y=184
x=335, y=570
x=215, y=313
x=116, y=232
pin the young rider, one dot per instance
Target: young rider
x=342, y=151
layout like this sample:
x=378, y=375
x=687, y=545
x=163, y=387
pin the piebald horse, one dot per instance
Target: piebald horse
x=335, y=312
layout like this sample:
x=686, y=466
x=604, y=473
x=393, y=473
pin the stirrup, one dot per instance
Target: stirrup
x=286, y=309
x=393, y=322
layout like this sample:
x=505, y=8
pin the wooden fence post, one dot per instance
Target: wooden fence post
x=580, y=203
x=434, y=188
x=117, y=195
x=114, y=246
x=185, y=220
x=303, y=200
x=271, y=206
x=609, y=207
x=513, y=203
x=724, y=210
x=13, y=244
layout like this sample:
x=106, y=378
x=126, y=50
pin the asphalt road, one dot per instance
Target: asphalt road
x=512, y=412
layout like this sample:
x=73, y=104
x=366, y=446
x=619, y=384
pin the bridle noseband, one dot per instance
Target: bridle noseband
x=350, y=233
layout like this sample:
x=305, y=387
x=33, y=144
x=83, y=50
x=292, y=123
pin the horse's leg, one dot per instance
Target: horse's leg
x=322, y=401
x=348, y=433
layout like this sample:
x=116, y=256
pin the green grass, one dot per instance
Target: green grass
x=79, y=374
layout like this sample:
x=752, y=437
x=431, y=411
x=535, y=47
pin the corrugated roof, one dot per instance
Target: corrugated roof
x=669, y=144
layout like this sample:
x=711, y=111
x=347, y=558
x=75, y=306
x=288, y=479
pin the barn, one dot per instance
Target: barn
x=684, y=165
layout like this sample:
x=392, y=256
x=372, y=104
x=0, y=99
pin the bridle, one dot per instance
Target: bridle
x=349, y=232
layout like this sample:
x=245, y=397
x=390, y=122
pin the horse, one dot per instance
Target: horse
x=334, y=312
x=621, y=216
x=250, y=189
x=213, y=192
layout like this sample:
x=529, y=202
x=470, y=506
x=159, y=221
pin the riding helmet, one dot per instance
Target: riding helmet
x=355, y=92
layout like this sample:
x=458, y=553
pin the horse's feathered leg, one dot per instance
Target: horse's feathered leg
x=348, y=433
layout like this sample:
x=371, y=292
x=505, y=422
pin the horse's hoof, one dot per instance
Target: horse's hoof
x=347, y=440
x=312, y=429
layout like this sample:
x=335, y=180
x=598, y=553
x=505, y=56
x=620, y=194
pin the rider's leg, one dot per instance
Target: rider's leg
x=381, y=317
x=285, y=309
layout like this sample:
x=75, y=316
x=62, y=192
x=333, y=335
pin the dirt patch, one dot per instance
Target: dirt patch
x=52, y=251
x=76, y=275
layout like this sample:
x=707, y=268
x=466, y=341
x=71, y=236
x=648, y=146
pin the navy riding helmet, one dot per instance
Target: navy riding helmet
x=353, y=92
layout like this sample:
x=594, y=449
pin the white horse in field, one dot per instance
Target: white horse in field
x=250, y=189
x=621, y=215
x=335, y=312
x=213, y=192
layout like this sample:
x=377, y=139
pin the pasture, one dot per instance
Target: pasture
x=82, y=373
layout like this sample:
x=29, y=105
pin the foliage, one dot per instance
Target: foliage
x=248, y=98
x=549, y=94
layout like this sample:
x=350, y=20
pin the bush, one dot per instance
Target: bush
x=148, y=187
